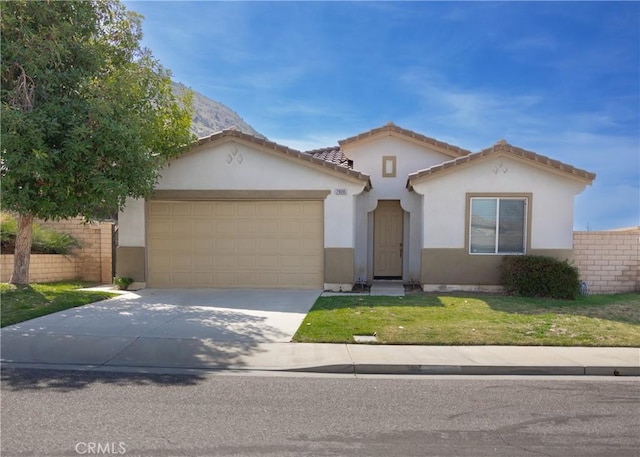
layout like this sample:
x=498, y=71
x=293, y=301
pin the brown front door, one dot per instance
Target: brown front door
x=387, y=236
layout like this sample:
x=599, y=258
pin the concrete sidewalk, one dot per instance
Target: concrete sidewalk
x=117, y=353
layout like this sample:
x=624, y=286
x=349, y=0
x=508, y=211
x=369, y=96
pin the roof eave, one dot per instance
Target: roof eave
x=390, y=129
x=531, y=158
x=289, y=153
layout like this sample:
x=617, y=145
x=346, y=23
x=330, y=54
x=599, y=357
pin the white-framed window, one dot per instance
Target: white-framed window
x=498, y=225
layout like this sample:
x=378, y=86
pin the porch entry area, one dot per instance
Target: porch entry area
x=387, y=240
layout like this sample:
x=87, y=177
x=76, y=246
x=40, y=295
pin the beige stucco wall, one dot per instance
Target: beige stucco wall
x=91, y=262
x=609, y=261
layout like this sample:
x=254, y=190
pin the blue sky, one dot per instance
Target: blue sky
x=559, y=78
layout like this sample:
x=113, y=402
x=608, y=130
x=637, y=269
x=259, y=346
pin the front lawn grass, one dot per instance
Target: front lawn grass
x=21, y=303
x=598, y=320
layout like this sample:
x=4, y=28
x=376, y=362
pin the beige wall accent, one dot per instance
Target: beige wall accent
x=254, y=195
x=339, y=265
x=130, y=263
x=609, y=261
x=456, y=266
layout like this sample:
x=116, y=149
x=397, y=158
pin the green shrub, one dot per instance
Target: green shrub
x=122, y=283
x=44, y=240
x=8, y=228
x=539, y=276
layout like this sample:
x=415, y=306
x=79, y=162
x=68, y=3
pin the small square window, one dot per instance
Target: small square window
x=388, y=166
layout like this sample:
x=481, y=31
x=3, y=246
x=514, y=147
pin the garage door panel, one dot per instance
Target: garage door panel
x=247, y=210
x=264, y=262
x=223, y=279
x=311, y=262
x=223, y=209
x=182, y=261
x=203, y=228
x=179, y=244
x=224, y=228
x=226, y=261
x=161, y=259
x=162, y=209
x=290, y=246
x=161, y=226
x=181, y=228
x=203, y=244
x=160, y=278
x=246, y=246
x=246, y=262
x=266, y=244
x=266, y=278
x=183, y=210
x=202, y=279
x=270, y=227
x=182, y=279
x=202, y=262
x=289, y=261
x=203, y=210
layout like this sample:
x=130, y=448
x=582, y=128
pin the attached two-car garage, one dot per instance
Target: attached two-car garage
x=254, y=244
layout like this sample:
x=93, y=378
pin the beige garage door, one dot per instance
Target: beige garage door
x=256, y=244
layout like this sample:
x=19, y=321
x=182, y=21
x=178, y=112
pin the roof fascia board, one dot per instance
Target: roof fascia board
x=468, y=161
x=391, y=130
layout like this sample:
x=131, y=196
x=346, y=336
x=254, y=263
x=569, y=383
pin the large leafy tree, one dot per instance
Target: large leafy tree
x=88, y=115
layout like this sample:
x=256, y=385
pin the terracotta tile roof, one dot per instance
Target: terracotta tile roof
x=332, y=154
x=501, y=147
x=390, y=128
x=234, y=133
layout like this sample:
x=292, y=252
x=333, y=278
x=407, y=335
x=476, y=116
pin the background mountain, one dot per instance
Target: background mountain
x=211, y=116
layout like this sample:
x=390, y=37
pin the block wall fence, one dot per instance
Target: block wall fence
x=91, y=262
x=608, y=260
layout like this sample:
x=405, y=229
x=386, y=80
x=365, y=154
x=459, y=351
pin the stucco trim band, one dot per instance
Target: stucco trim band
x=216, y=194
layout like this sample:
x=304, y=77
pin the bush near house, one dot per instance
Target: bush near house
x=44, y=240
x=540, y=276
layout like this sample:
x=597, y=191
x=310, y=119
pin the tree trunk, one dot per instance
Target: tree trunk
x=22, y=255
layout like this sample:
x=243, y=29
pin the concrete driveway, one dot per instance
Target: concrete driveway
x=202, y=328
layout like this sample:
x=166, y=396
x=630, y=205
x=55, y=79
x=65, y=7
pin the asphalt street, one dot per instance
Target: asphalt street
x=70, y=413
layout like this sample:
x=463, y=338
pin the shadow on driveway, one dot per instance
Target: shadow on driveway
x=200, y=329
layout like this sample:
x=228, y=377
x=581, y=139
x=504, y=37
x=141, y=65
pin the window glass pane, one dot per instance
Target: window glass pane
x=483, y=225
x=512, y=226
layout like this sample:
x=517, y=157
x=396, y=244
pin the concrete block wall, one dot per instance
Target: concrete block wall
x=609, y=261
x=91, y=262
x=43, y=268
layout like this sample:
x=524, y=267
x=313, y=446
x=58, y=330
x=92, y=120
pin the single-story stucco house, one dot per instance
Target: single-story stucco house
x=390, y=203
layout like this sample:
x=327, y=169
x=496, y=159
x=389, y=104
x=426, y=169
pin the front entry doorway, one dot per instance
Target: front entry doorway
x=387, y=240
